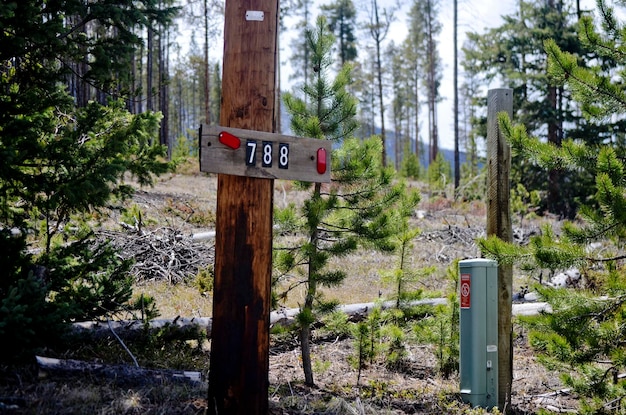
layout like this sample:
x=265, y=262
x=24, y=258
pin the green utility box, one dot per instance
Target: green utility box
x=479, y=332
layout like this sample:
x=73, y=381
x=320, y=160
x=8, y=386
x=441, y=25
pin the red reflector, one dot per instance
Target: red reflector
x=229, y=140
x=321, y=160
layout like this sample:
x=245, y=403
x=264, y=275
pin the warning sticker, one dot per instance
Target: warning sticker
x=465, y=290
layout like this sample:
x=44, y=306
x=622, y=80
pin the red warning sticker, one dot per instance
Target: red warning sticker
x=465, y=290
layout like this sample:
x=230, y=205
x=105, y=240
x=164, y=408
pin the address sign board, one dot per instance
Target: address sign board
x=260, y=154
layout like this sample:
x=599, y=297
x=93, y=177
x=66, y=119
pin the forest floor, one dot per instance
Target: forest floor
x=185, y=204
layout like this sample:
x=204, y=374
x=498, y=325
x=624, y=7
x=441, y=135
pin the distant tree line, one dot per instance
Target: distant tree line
x=156, y=58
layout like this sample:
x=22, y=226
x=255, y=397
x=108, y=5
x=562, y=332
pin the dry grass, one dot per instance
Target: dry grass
x=448, y=230
x=183, y=300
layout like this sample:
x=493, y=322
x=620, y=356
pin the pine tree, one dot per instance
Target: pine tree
x=341, y=17
x=378, y=28
x=62, y=161
x=439, y=174
x=355, y=210
x=583, y=335
x=423, y=29
x=515, y=52
x=300, y=61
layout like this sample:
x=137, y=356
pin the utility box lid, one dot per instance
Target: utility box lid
x=478, y=262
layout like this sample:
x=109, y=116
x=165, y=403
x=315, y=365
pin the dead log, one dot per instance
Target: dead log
x=119, y=374
x=179, y=328
x=183, y=328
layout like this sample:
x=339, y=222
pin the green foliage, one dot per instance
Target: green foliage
x=382, y=333
x=515, y=52
x=76, y=165
x=441, y=328
x=439, y=173
x=524, y=203
x=360, y=208
x=146, y=306
x=183, y=150
x=410, y=167
x=88, y=279
x=366, y=335
x=205, y=280
x=26, y=318
x=336, y=324
x=582, y=337
x=61, y=163
x=473, y=184
x=361, y=334
x=133, y=217
x=403, y=276
x=328, y=110
x=581, y=331
x=342, y=22
x=395, y=350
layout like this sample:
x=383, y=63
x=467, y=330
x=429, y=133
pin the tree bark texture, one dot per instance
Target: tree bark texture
x=238, y=377
x=499, y=224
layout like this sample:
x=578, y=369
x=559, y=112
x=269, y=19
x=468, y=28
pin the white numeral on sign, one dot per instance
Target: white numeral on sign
x=283, y=159
x=267, y=154
x=250, y=152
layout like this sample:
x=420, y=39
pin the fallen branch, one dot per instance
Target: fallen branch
x=168, y=329
x=183, y=328
x=162, y=254
x=121, y=374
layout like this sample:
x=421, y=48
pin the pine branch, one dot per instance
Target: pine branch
x=610, y=259
x=598, y=86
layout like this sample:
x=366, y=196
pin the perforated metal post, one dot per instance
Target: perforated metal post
x=479, y=332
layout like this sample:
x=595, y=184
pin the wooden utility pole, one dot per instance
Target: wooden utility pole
x=238, y=376
x=499, y=224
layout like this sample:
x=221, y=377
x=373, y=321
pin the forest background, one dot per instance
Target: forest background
x=87, y=87
x=411, y=88
x=89, y=93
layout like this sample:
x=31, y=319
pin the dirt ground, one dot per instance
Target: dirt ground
x=448, y=233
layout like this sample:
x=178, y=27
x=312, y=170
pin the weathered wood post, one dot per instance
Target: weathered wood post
x=499, y=224
x=238, y=377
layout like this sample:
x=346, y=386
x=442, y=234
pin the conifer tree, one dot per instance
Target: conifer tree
x=60, y=161
x=299, y=52
x=357, y=209
x=341, y=17
x=515, y=52
x=424, y=17
x=583, y=336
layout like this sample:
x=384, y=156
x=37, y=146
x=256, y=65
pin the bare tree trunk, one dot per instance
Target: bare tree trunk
x=132, y=99
x=164, y=90
x=417, y=111
x=139, y=97
x=379, y=78
x=432, y=90
x=207, y=85
x=149, y=71
x=554, y=176
x=457, y=165
x=305, y=348
x=379, y=31
x=305, y=328
x=182, y=109
x=397, y=128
